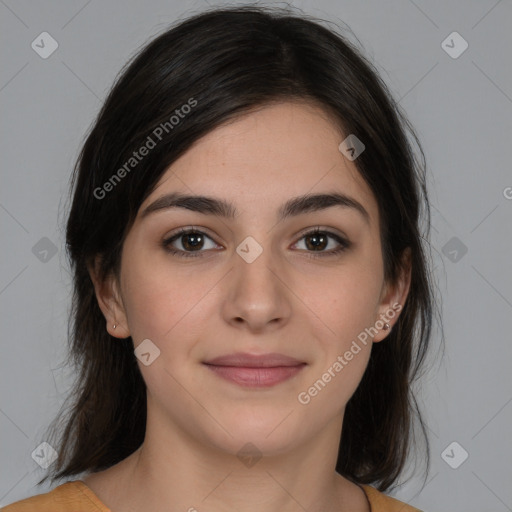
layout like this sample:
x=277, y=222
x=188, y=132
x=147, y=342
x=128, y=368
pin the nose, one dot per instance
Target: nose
x=258, y=297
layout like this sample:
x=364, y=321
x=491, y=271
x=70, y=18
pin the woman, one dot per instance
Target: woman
x=251, y=296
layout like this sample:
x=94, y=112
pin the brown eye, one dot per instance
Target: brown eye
x=190, y=240
x=318, y=240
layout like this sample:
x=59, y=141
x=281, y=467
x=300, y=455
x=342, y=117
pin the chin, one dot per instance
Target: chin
x=269, y=433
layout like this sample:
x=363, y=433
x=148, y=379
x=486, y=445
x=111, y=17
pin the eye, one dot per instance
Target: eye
x=319, y=239
x=191, y=241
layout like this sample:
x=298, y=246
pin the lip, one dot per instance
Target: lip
x=257, y=371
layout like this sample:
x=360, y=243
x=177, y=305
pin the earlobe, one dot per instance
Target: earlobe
x=109, y=301
x=385, y=323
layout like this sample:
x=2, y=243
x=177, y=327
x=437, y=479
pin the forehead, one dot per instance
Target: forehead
x=270, y=154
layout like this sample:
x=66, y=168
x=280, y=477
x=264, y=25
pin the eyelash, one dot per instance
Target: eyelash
x=166, y=243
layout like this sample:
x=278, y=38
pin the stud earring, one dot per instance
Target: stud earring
x=114, y=326
x=386, y=327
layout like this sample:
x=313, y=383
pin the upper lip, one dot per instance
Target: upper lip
x=240, y=359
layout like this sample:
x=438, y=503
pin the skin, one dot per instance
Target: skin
x=285, y=301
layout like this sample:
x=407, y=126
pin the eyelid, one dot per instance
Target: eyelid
x=322, y=229
x=188, y=229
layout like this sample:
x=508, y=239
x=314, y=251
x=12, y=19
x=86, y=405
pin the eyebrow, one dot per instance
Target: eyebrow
x=220, y=208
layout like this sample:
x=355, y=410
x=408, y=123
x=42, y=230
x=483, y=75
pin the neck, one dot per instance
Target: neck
x=194, y=477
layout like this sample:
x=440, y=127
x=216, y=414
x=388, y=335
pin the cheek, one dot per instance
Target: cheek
x=344, y=308
x=343, y=350
x=158, y=298
x=346, y=302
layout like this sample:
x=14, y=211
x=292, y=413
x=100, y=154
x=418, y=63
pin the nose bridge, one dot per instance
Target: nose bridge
x=255, y=266
x=257, y=295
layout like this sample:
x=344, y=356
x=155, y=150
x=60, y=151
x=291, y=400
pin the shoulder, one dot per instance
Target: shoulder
x=77, y=494
x=381, y=503
x=60, y=499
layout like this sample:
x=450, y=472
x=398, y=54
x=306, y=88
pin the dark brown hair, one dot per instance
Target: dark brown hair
x=229, y=61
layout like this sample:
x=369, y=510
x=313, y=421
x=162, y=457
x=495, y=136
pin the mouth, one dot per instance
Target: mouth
x=256, y=371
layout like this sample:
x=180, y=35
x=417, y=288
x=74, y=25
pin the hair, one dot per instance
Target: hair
x=227, y=62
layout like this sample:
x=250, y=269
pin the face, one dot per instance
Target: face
x=258, y=309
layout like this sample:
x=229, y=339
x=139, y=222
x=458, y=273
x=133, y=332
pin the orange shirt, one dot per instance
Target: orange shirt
x=75, y=496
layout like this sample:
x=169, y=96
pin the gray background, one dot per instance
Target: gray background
x=462, y=110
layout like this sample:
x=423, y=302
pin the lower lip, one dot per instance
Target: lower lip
x=256, y=377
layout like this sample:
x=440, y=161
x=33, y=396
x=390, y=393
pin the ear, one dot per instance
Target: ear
x=393, y=298
x=109, y=301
